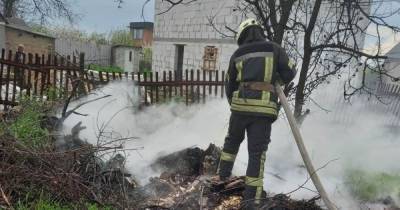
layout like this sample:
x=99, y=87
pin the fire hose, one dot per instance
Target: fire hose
x=303, y=151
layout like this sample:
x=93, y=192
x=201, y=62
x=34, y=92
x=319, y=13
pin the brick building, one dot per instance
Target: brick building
x=184, y=39
x=142, y=32
x=15, y=33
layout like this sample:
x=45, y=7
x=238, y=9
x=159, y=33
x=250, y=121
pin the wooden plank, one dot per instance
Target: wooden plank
x=55, y=71
x=223, y=85
x=157, y=87
x=181, y=86
x=23, y=83
x=217, y=80
x=204, y=87
x=62, y=79
x=198, y=86
x=87, y=82
x=187, y=87
x=151, y=89
x=175, y=87
x=164, y=87
x=66, y=79
x=92, y=80
x=192, y=86
x=48, y=78
x=29, y=83
x=43, y=76
x=16, y=71
x=145, y=88
x=3, y=52
x=139, y=80
x=101, y=76
x=170, y=87
x=210, y=86
x=36, y=79
x=7, y=82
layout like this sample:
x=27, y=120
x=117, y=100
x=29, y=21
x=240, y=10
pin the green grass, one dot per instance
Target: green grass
x=44, y=204
x=109, y=69
x=54, y=93
x=27, y=129
x=373, y=186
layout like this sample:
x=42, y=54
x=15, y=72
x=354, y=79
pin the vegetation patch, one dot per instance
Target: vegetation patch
x=27, y=126
x=109, y=69
x=372, y=187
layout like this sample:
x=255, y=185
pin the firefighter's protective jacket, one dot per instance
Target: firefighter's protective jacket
x=260, y=61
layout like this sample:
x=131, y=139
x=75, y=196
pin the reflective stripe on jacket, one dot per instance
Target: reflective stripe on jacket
x=257, y=62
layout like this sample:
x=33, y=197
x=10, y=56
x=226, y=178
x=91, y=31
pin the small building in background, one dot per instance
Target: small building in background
x=142, y=33
x=16, y=35
x=392, y=65
x=126, y=57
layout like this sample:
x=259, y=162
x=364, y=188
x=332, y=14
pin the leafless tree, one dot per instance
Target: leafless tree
x=324, y=37
x=39, y=10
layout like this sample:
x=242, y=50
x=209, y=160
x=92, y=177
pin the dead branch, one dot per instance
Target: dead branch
x=309, y=178
x=5, y=198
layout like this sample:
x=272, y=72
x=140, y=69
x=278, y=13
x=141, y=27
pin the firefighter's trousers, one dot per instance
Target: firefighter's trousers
x=258, y=136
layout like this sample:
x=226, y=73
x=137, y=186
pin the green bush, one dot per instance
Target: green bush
x=144, y=66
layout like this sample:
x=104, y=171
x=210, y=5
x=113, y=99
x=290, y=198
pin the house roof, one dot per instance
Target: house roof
x=394, y=53
x=142, y=25
x=19, y=24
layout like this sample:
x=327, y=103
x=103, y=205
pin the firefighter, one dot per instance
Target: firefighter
x=253, y=70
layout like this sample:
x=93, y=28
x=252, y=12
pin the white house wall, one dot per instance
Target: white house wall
x=189, y=25
x=164, y=55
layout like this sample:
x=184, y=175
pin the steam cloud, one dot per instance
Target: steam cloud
x=362, y=143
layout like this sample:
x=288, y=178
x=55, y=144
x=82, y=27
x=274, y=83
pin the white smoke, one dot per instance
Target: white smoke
x=364, y=144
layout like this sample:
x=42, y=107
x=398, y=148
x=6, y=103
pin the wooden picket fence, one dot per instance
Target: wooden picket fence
x=51, y=77
x=192, y=86
x=38, y=76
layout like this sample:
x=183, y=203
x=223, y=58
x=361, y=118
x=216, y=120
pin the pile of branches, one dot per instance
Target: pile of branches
x=185, y=184
x=74, y=176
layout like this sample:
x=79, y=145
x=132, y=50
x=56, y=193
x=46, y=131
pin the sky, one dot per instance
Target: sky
x=105, y=15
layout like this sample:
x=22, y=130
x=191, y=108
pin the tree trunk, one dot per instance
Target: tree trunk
x=9, y=8
x=299, y=100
